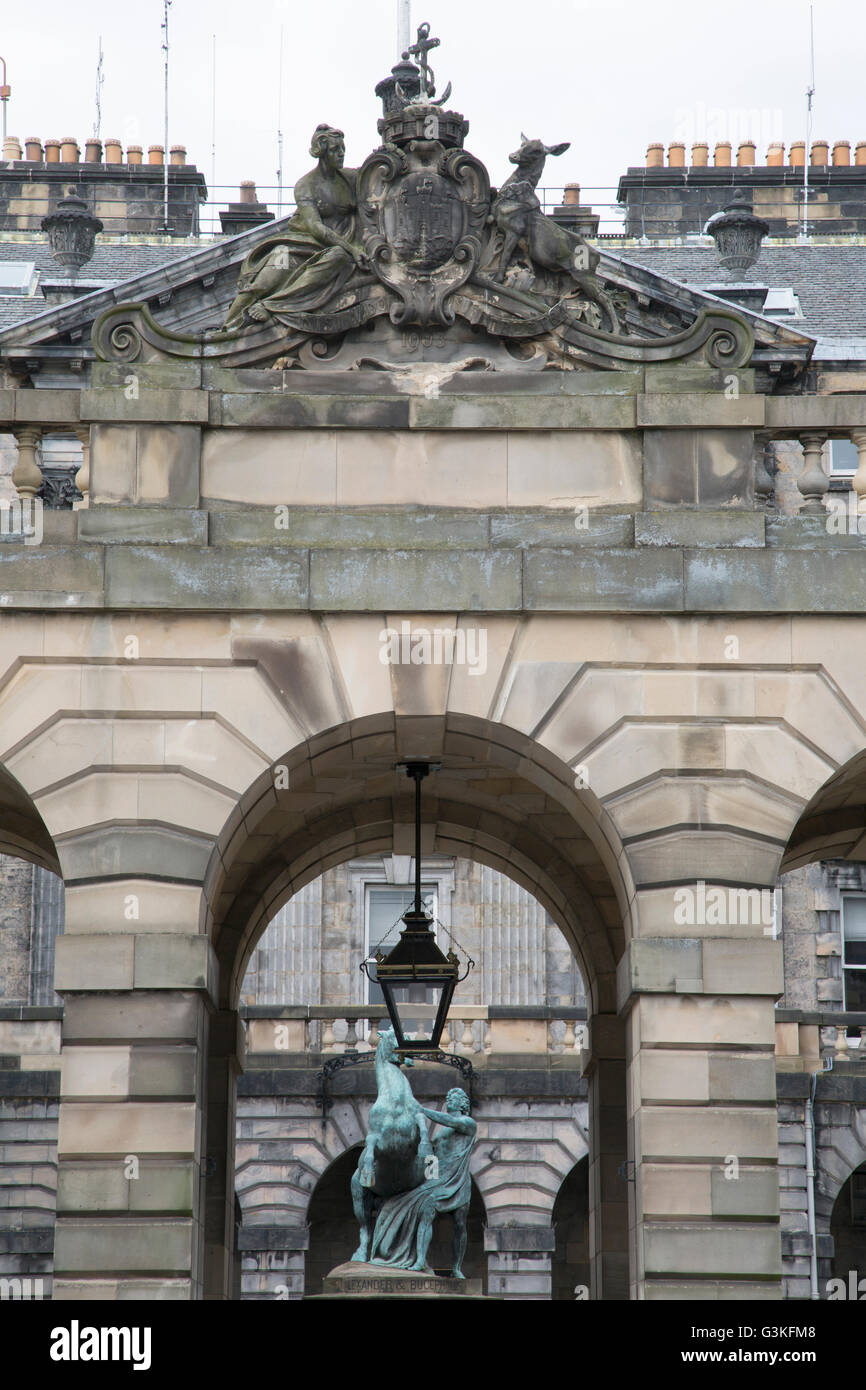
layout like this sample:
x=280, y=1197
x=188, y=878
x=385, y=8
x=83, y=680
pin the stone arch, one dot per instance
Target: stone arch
x=848, y=1230
x=840, y=1152
x=499, y=799
x=23, y=832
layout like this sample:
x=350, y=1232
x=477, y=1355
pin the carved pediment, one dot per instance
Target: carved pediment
x=410, y=259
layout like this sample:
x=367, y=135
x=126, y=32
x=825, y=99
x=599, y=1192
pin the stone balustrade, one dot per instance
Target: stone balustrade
x=812, y=1041
x=475, y=1031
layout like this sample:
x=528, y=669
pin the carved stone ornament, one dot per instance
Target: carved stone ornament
x=423, y=211
x=414, y=259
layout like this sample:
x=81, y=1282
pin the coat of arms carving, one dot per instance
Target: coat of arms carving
x=423, y=209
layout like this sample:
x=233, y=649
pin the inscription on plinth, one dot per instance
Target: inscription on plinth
x=355, y=1279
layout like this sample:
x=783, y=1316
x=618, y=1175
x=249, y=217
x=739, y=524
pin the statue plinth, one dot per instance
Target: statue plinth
x=357, y=1280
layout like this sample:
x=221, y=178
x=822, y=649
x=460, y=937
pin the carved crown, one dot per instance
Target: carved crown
x=422, y=121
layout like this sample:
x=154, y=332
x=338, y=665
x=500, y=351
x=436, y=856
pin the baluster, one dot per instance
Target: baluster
x=467, y=1041
x=374, y=1034
x=765, y=488
x=27, y=475
x=842, y=1043
x=813, y=481
x=329, y=1042
x=569, y=1042
x=351, y=1035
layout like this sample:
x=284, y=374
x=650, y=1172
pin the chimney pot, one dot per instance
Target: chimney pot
x=52, y=151
x=70, y=152
x=746, y=154
x=133, y=154
x=113, y=152
x=775, y=154
x=33, y=148
x=93, y=151
x=178, y=154
x=676, y=156
x=722, y=155
x=860, y=152
x=155, y=154
x=700, y=155
x=820, y=153
x=655, y=156
x=842, y=152
x=797, y=154
x=12, y=147
x=248, y=191
x=571, y=197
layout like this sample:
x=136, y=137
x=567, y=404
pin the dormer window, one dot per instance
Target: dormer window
x=782, y=304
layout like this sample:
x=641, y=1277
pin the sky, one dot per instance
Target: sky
x=610, y=77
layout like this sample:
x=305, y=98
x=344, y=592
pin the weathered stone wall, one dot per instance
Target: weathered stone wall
x=127, y=198
x=29, y=1106
x=309, y=953
x=672, y=202
x=16, y=891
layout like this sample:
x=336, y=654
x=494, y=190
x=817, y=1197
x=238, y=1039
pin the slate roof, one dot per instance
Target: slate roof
x=829, y=280
x=111, y=263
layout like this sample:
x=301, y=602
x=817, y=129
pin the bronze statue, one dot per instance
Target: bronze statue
x=403, y=1182
x=404, y=1226
x=316, y=254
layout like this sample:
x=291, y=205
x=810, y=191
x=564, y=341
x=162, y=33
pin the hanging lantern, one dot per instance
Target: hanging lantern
x=416, y=978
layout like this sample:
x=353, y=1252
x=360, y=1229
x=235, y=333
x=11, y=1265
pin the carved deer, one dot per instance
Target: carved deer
x=519, y=217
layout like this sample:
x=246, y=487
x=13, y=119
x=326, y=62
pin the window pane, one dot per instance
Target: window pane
x=843, y=456
x=854, y=918
x=386, y=904
x=855, y=991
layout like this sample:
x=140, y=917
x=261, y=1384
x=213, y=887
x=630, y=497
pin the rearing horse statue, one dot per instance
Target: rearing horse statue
x=397, y=1146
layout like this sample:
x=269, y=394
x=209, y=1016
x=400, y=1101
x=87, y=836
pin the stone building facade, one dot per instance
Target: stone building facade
x=198, y=726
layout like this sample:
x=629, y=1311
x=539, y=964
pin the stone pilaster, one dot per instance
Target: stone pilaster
x=702, y=1115
x=605, y=1069
x=130, y=1144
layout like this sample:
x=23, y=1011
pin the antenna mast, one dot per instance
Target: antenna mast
x=213, y=119
x=809, y=95
x=166, y=5
x=280, y=131
x=404, y=26
x=97, y=125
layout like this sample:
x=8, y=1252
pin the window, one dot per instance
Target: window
x=844, y=459
x=386, y=904
x=854, y=952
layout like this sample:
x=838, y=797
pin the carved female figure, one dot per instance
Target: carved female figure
x=302, y=267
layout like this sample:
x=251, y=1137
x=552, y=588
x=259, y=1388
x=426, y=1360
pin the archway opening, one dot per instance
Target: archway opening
x=848, y=1229
x=499, y=800
x=571, y=1260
